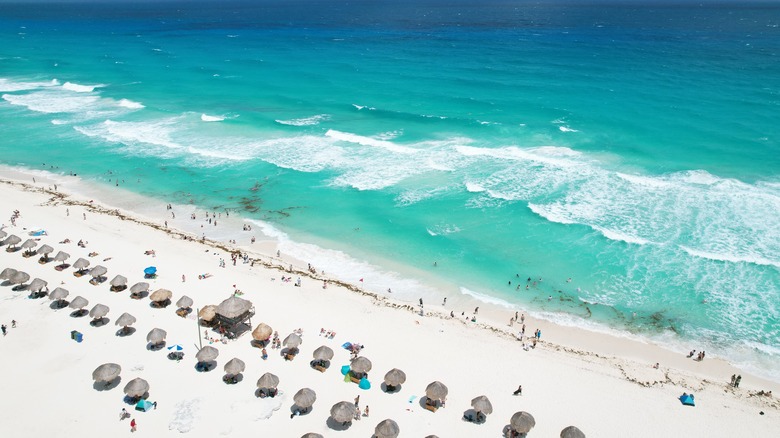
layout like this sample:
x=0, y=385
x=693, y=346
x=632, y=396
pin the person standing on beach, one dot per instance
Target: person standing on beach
x=3, y=328
x=738, y=381
x=133, y=425
x=519, y=390
x=476, y=310
x=733, y=379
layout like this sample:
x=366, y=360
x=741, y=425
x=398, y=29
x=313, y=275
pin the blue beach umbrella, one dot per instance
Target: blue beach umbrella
x=345, y=369
x=151, y=270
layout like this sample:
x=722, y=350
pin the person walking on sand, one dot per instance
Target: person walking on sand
x=733, y=379
x=3, y=328
x=133, y=425
x=13, y=323
x=365, y=412
x=122, y=414
x=476, y=310
x=519, y=390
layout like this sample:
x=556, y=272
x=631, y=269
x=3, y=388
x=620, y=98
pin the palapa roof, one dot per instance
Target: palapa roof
x=156, y=335
x=235, y=366
x=81, y=263
x=106, y=372
x=323, y=353
x=387, y=429
x=98, y=271
x=436, y=391
x=207, y=354
x=118, y=281
x=136, y=387
x=59, y=294
x=139, y=287
x=522, y=422
x=262, y=332
x=45, y=249
x=208, y=313
x=125, y=320
x=184, y=301
x=161, y=295
x=29, y=243
x=572, y=432
x=312, y=435
x=99, y=311
x=8, y=273
x=61, y=256
x=395, y=377
x=267, y=380
x=343, y=411
x=79, y=303
x=3, y=234
x=37, y=285
x=13, y=239
x=19, y=277
x=305, y=398
x=292, y=341
x=360, y=365
x=482, y=404
x=233, y=307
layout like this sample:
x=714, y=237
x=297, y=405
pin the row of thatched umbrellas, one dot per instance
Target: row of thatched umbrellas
x=521, y=422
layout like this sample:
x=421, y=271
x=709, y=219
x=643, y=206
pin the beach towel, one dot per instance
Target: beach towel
x=687, y=400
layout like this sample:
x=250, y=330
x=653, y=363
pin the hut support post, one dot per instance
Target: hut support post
x=197, y=327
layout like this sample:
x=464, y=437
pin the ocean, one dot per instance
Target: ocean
x=624, y=158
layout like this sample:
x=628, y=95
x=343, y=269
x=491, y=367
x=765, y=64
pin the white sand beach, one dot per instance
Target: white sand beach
x=606, y=386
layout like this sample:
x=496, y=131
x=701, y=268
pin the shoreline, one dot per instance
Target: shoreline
x=561, y=367
x=574, y=339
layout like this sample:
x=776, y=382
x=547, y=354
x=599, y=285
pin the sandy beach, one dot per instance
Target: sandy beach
x=606, y=386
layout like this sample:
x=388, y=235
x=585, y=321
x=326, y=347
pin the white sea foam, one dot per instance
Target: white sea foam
x=8, y=85
x=731, y=258
x=125, y=103
x=487, y=298
x=623, y=237
x=208, y=118
x=71, y=86
x=361, y=107
x=52, y=102
x=473, y=187
x=368, y=141
x=58, y=122
x=564, y=128
x=305, y=121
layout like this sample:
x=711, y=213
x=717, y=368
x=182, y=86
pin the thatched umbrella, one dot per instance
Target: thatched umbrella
x=59, y=294
x=3, y=234
x=207, y=354
x=98, y=271
x=323, y=353
x=78, y=303
x=99, y=311
x=482, y=405
x=436, y=391
x=81, y=264
x=208, y=313
x=312, y=435
x=37, y=285
x=522, y=422
x=394, y=378
x=387, y=429
x=106, y=372
x=268, y=381
x=233, y=307
x=7, y=273
x=360, y=365
x=125, y=320
x=343, y=412
x=235, y=366
x=29, y=244
x=19, y=277
x=572, y=432
x=61, y=256
x=139, y=287
x=292, y=341
x=161, y=295
x=184, y=302
x=118, y=283
x=45, y=250
x=263, y=332
x=305, y=398
x=136, y=388
x=156, y=336
x=12, y=240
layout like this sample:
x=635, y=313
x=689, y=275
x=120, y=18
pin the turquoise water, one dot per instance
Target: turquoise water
x=633, y=149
